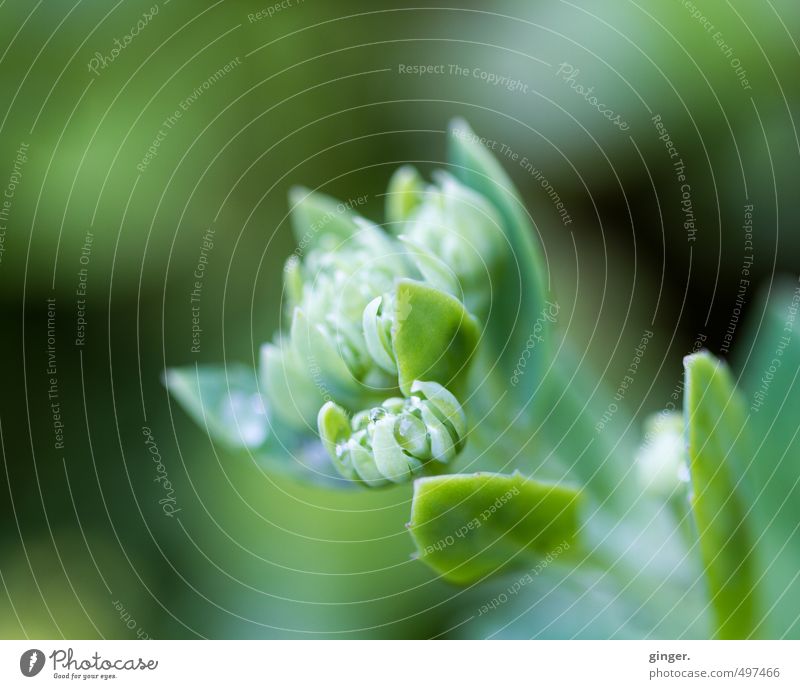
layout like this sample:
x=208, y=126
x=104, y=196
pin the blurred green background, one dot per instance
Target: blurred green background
x=312, y=93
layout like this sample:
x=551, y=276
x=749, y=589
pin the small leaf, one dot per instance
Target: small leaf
x=224, y=402
x=468, y=526
x=443, y=446
x=224, y=399
x=405, y=192
x=445, y=403
x=434, y=337
x=293, y=281
x=334, y=428
x=315, y=215
x=716, y=422
x=392, y=462
x=364, y=464
x=376, y=344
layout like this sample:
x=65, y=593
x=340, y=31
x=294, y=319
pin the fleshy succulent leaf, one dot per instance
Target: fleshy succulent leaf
x=390, y=458
x=717, y=433
x=334, y=428
x=445, y=403
x=469, y=526
x=224, y=399
x=376, y=344
x=434, y=336
x=293, y=281
x=442, y=444
x=315, y=215
x=404, y=194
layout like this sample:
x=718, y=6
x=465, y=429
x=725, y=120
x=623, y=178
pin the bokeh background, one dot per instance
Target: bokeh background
x=312, y=93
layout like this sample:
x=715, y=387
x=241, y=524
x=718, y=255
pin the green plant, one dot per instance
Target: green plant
x=426, y=350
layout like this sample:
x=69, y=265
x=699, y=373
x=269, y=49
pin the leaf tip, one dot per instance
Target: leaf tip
x=297, y=193
x=458, y=124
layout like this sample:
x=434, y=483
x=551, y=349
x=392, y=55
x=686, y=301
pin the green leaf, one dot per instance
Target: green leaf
x=223, y=399
x=716, y=421
x=434, y=337
x=521, y=294
x=334, y=428
x=225, y=402
x=316, y=215
x=405, y=193
x=468, y=526
x=446, y=404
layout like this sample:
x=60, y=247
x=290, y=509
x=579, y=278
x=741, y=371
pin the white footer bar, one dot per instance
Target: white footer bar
x=406, y=664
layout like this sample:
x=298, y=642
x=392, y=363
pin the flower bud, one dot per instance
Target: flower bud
x=372, y=315
x=455, y=236
x=398, y=440
x=342, y=263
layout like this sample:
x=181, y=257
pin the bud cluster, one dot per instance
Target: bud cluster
x=398, y=439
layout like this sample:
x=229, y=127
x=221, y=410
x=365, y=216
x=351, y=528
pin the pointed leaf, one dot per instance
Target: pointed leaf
x=405, y=192
x=225, y=403
x=315, y=215
x=224, y=399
